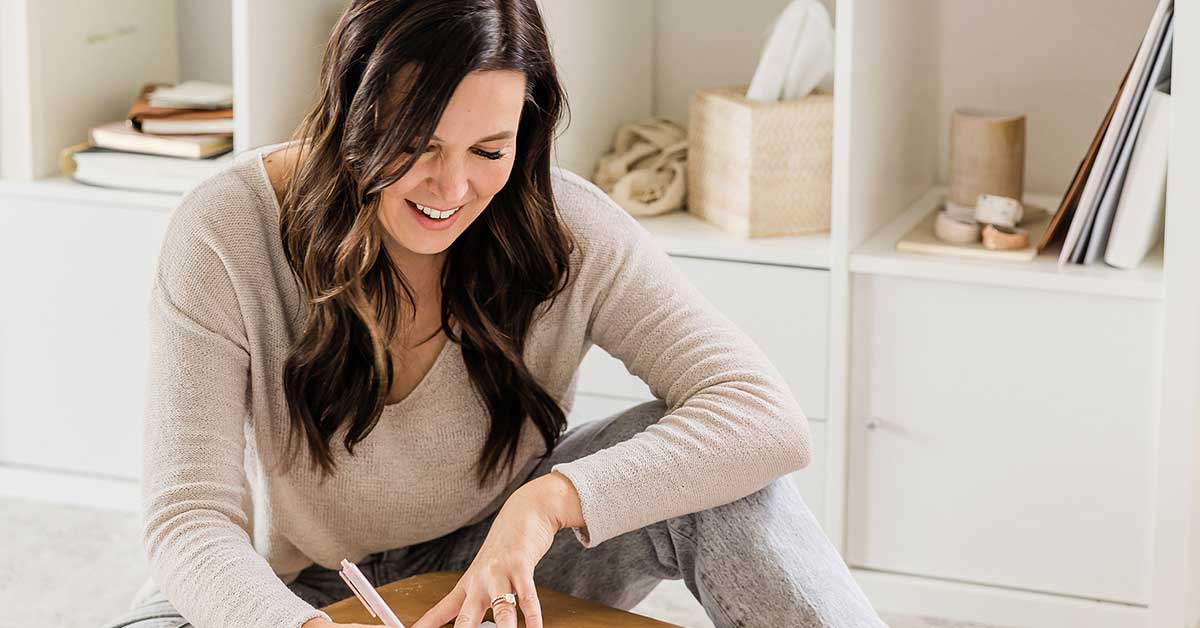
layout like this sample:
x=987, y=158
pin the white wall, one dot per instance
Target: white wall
x=702, y=43
x=205, y=41
x=1012, y=55
x=603, y=90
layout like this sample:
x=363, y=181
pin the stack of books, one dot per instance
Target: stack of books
x=1116, y=200
x=173, y=137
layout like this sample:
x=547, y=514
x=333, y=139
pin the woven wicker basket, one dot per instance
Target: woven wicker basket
x=760, y=169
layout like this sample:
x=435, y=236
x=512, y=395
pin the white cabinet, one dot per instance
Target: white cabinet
x=1003, y=437
x=73, y=342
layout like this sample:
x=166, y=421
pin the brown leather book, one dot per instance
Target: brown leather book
x=411, y=597
x=175, y=120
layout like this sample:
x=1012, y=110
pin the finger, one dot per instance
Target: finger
x=443, y=611
x=503, y=613
x=471, y=614
x=531, y=606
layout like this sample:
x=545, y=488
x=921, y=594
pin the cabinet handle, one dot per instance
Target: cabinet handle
x=874, y=423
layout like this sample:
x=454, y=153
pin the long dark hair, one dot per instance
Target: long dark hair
x=511, y=260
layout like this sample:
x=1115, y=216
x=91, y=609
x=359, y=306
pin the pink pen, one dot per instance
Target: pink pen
x=367, y=594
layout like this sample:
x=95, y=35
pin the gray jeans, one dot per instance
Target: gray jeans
x=762, y=560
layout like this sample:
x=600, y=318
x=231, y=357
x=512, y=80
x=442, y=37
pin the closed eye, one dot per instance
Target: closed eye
x=487, y=154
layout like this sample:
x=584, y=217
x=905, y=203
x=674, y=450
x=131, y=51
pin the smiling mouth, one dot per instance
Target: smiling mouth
x=434, y=213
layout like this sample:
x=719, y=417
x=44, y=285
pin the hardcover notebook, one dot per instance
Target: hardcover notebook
x=134, y=171
x=1138, y=225
x=122, y=136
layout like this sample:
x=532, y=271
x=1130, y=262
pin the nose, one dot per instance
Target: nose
x=449, y=180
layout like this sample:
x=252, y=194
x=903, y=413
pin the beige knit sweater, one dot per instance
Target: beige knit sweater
x=224, y=535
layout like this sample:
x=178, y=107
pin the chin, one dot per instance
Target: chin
x=428, y=245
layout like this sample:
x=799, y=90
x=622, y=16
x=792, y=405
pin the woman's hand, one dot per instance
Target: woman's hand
x=520, y=535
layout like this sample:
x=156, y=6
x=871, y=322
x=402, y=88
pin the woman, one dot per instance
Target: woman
x=364, y=350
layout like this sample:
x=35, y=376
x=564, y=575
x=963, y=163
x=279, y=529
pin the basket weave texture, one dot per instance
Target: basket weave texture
x=760, y=169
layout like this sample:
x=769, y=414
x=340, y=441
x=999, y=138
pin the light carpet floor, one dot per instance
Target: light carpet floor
x=70, y=567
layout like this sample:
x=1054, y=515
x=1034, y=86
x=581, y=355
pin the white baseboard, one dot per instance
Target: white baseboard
x=911, y=595
x=74, y=489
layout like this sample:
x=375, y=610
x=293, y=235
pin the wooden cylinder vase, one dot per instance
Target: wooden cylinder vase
x=987, y=155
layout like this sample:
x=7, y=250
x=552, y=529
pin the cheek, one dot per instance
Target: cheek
x=493, y=177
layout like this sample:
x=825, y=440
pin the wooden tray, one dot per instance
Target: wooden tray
x=922, y=240
x=412, y=597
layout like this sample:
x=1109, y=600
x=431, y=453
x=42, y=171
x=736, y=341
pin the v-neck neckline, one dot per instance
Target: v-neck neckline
x=430, y=373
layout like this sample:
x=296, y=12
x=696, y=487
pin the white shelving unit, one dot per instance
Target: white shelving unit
x=1019, y=439
x=1006, y=443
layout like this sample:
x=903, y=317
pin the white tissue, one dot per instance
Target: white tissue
x=798, y=56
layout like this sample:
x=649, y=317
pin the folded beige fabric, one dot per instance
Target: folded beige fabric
x=645, y=172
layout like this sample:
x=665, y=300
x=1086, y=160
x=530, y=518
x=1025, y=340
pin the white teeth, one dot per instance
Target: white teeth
x=435, y=214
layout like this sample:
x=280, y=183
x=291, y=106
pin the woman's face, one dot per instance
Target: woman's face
x=465, y=165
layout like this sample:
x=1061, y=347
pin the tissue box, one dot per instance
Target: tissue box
x=760, y=169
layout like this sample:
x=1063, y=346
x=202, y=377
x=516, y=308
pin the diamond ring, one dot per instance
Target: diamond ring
x=511, y=598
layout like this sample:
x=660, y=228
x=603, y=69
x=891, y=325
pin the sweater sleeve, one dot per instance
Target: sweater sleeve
x=732, y=424
x=196, y=528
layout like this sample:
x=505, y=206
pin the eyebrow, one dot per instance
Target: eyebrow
x=503, y=135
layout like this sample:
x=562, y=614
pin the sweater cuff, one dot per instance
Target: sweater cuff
x=305, y=615
x=597, y=527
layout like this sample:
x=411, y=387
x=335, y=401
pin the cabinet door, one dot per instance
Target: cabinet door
x=73, y=333
x=1003, y=436
x=784, y=310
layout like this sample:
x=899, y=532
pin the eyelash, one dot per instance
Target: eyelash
x=492, y=155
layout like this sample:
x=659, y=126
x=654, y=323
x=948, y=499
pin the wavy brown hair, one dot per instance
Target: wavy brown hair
x=389, y=70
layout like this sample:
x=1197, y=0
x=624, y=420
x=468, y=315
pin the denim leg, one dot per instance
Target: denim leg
x=153, y=612
x=762, y=560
